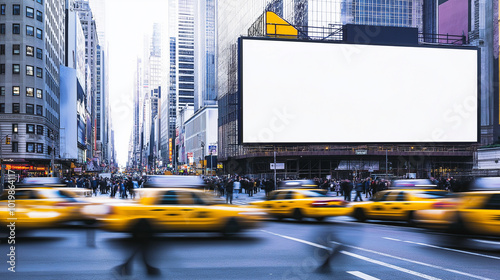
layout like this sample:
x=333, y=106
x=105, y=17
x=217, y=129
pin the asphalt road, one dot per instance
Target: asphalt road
x=278, y=250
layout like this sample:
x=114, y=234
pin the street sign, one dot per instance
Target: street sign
x=280, y=165
x=361, y=152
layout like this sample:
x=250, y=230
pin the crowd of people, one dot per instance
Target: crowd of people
x=231, y=187
x=114, y=187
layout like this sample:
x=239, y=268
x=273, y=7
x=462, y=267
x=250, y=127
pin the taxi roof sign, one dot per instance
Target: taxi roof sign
x=413, y=184
x=42, y=182
x=297, y=184
x=174, y=181
x=486, y=184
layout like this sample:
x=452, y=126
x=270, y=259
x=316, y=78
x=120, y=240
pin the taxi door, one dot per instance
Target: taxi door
x=484, y=219
x=168, y=212
x=399, y=206
x=382, y=205
x=199, y=215
x=277, y=203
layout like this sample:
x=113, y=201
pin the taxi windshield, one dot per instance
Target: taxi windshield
x=57, y=194
x=432, y=194
x=310, y=193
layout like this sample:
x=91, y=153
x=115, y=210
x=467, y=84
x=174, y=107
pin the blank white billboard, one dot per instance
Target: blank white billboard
x=310, y=92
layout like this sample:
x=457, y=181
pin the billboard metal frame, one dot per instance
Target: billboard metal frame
x=240, y=93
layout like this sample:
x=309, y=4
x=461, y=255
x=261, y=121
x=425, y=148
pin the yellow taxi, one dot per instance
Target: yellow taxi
x=39, y=207
x=400, y=202
x=474, y=212
x=300, y=203
x=178, y=210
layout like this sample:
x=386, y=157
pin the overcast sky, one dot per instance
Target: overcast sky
x=126, y=23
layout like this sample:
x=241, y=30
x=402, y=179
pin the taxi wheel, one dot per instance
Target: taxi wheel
x=458, y=226
x=411, y=219
x=231, y=228
x=297, y=214
x=359, y=214
x=320, y=219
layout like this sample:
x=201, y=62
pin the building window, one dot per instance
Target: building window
x=30, y=109
x=16, y=108
x=2, y=9
x=39, y=110
x=39, y=93
x=16, y=68
x=14, y=128
x=39, y=1
x=30, y=30
x=39, y=53
x=2, y=68
x=2, y=28
x=30, y=128
x=30, y=12
x=30, y=147
x=2, y=49
x=39, y=33
x=16, y=28
x=30, y=92
x=39, y=129
x=30, y=70
x=16, y=9
x=2, y=91
x=39, y=16
x=30, y=51
x=39, y=72
x=16, y=91
x=2, y=107
x=39, y=148
x=15, y=147
x=16, y=49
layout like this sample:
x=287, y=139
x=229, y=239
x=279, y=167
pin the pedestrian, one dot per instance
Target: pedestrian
x=347, y=189
x=237, y=187
x=229, y=191
x=360, y=186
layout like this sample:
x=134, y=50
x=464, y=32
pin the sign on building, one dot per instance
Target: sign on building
x=279, y=165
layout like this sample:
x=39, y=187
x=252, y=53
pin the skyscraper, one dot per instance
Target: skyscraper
x=31, y=50
x=92, y=41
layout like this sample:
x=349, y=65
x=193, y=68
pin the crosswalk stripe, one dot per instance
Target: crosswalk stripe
x=362, y=275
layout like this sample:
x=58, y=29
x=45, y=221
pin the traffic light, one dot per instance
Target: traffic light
x=7, y=140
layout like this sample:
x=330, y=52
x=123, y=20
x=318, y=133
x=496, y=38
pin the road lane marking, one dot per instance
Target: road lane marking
x=453, y=250
x=362, y=275
x=487, y=241
x=378, y=253
x=388, y=238
x=299, y=240
x=416, y=262
x=425, y=276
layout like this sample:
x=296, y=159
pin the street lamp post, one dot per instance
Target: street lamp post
x=203, y=157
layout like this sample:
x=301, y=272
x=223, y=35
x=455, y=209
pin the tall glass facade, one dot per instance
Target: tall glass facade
x=185, y=53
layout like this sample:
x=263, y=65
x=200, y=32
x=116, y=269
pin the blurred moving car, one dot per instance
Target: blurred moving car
x=400, y=202
x=474, y=212
x=304, y=201
x=177, y=210
x=39, y=207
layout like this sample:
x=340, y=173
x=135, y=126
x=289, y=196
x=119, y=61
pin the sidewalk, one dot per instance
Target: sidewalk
x=244, y=199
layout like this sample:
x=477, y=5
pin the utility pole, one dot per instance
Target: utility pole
x=2, y=172
x=274, y=167
x=386, y=164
